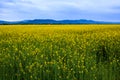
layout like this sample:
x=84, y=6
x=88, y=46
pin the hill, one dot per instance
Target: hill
x=50, y=21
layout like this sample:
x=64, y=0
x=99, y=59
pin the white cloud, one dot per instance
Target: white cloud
x=58, y=9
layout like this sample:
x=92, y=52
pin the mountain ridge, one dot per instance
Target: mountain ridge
x=52, y=21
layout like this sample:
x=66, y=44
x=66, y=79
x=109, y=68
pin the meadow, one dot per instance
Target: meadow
x=59, y=52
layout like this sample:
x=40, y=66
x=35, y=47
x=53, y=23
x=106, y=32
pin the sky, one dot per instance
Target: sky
x=99, y=10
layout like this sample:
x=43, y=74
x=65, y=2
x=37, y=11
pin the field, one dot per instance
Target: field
x=60, y=52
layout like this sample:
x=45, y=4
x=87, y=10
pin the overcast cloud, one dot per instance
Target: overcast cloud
x=101, y=10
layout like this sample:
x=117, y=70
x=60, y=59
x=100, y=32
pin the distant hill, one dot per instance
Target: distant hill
x=50, y=21
x=3, y=22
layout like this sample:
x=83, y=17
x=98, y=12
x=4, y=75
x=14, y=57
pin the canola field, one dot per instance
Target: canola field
x=59, y=52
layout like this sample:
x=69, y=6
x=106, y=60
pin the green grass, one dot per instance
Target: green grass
x=60, y=52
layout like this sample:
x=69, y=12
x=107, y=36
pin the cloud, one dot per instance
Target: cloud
x=59, y=9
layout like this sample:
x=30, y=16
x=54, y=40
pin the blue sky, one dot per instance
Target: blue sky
x=100, y=10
